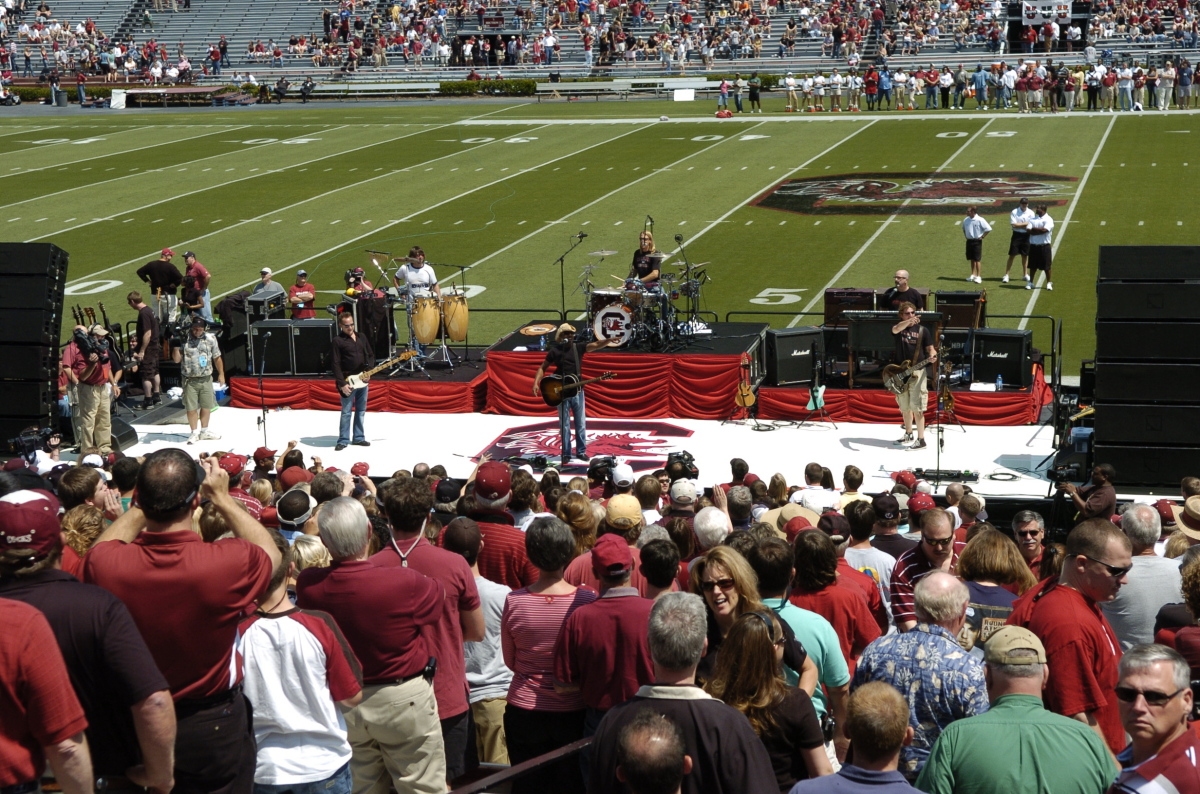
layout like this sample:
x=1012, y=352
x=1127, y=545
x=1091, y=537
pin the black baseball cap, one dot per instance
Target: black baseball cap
x=199, y=321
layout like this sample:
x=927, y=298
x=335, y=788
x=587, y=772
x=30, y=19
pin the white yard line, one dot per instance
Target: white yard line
x=26, y=171
x=611, y=193
x=26, y=131
x=820, y=295
x=1065, y=222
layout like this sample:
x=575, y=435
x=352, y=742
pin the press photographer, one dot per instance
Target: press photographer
x=95, y=371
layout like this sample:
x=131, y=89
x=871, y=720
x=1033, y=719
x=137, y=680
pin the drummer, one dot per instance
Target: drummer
x=415, y=277
x=646, y=261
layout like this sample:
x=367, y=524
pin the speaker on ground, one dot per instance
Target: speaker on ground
x=1002, y=352
x=792, y=355
x=312, y=346
x=272, y=355
x=124, y=436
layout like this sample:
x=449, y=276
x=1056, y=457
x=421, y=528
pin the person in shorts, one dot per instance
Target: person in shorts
x=1040, y=252
x=199, y=355
x=913, y=343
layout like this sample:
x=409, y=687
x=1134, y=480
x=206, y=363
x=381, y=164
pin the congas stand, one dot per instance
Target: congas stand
x=456, y=316
x=413, y=364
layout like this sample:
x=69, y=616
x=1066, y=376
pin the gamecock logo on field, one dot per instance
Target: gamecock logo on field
x=643, y=445
x=946, y=193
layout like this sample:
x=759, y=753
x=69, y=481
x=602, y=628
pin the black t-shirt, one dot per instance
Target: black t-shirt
x=912, y=342
x=894, y=545
x=563, y=360
x=161, y=274
x=147, y=320
x=894, y=297
x=107, y=660
x=643, y=265
x=797, y=728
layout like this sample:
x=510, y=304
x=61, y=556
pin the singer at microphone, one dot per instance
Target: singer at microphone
x=646, y=260
x=198, y=356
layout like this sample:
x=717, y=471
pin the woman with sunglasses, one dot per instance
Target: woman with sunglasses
x=729, y=587
x=749, y=677
x=995, y=573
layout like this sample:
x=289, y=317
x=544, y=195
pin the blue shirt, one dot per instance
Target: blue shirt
x=885, y=81
x=819, y=638
x=941, y=682
x=855, y=780
x=979, y=80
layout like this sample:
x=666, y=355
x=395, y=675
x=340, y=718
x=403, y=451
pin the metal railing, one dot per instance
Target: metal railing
x=491, y=781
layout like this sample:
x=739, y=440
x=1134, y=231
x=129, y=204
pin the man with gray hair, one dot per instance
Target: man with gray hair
x=740, y=503
x=387, y=616
x=1154, y=581
x=1017, y=745
x=1029, y=529
x=711, y=527
x=728, y=756
x=941, y=681
x=1155, y=702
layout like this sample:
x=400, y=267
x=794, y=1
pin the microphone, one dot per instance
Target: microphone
x=580, y=236
x=679, y=238
x=650, y=219
x=266, y=336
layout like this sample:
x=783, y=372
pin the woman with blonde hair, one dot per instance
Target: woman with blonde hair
x=749, y=677
x=995, y=573
x=575, y=510
x=81, y=526
x=263, y=491
x=309, y=552
x=729, y=587
x=777, y=490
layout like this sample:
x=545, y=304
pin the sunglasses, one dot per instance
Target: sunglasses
x=937, y=541
x=1129, y=695
x=723, y=584
x=1028, y=533
x=1113, y=570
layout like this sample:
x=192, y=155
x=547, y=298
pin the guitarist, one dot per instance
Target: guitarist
x=352, y=353
x=913, y=342
x=567, y=358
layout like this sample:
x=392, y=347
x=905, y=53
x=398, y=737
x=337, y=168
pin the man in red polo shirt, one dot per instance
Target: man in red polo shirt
x=1029, y=528
x=937, y=551
x=187, y=598
x=301, y=296
x=604, y=647
x=408, y=503
x=1156, y=702
x=623, y=518
x=1065, y=615
x=502, y=558
x=387, y=615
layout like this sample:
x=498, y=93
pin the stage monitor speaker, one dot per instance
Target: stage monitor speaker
x=1140, y=464
x=1137, y=382
x=1002, y=352
x=124, y=436
x=963, y=309
x=1138, y=341
x=272, y=355
x=842, y=300
x=837, y=344
x=312, y=346
x=1132, y=300
x=1148, y=262
x=1133, y=423
x=792, y=354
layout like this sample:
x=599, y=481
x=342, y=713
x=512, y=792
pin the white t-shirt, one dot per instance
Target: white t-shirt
x=878, y=565
x=486, y=672
x=419, y=279
x=817, y=499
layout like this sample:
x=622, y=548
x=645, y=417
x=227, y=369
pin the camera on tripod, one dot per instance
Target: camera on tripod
x=687, y=460
x=1069, y=473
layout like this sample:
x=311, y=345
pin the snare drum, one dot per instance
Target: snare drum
x=634, y=294
x=425, y=319
x=455, y=310
x=604, y=297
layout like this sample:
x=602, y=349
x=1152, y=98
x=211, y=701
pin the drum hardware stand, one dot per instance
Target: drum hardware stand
x=562, y=273
x=413, y=364
x=262, y=396
x=942, y=411
x=465, y=358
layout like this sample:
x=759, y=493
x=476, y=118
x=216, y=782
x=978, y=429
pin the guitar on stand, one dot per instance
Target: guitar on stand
x=816, y=390
x=360, y=380
x=555, y=388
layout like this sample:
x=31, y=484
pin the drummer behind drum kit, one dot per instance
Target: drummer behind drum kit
x=643, y=316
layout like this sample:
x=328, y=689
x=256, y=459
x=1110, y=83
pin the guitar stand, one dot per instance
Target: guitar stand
x=821, y=414
x=816, y=393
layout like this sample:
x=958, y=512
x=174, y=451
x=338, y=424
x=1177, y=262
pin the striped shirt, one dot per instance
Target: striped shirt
x=912, y=567
x=529, y=629
x=502, y=558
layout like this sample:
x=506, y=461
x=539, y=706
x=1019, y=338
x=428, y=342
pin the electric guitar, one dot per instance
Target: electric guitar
x=359, y=380
x=897, y=376
x=555, y=389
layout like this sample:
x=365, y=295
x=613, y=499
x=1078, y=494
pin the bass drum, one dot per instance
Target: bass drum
x=425, y=319
x=456, y=311
x=614, y=322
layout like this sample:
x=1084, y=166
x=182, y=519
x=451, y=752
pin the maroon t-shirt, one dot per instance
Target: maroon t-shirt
x=308, y=312
x=502, y=558
x=604, y=648
x=187, y=598
x=459, y=595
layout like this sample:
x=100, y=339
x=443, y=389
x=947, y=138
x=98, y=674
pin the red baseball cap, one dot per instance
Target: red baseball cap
x=29, y=520
x=262, y=453
x=293, y=475
x=360, y=469
x=494, y=480
x=1168, y=511
x=234, y=464
x=919, y=502
x=795, y=526
x=15, y=463
x=168, y=252
x=905, y=478
x=611, y=556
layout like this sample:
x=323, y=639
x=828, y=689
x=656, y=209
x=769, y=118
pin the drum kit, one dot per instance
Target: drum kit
x=641, y=316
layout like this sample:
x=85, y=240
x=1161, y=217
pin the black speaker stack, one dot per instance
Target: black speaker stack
x=1147, y=370
x=1002, y=352
x=793, y=354
x=295, y=347
x=32, y=279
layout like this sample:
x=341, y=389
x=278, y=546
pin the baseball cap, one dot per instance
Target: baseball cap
x=795, y=526
x=905, y=478
x=918, y=503
x=447, y=491
x=266, y=271
x=360, y=469
x=233, y=464
x=832, y=523
x=262, y=453
x=1168, y=511
x=1000, y=646
x=611, y=556
x=294, y=511
x=1024, y=200
x=622, y=475
x=683, y=492
x=15, y=463
x=902, y=500
x=293, y=475
x=301, y=272
x=93, y=460
x=494, y=480
x=98, y=330
x=186, y=254
x=199, y=321
x=168, y=252
x=624, y=510
x=886, y=507
x=29, y=520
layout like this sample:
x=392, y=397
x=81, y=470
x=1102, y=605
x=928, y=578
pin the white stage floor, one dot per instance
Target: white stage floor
x=398, y=441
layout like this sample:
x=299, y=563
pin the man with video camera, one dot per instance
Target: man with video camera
x=92, y=369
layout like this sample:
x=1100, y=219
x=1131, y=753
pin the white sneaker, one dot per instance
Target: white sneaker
x=970, y=278
x=979, y=279
x=194, y=437
x=1028, y=285
x=1005, y=279
x=208, y=435
x=1050, y=286
x=1027, y=278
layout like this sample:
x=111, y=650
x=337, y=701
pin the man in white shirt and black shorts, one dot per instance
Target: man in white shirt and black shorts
x=975, y=228
x=1040, y=255
x=1019, y=220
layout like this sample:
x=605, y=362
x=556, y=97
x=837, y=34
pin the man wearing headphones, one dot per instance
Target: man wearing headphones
x=199, y=355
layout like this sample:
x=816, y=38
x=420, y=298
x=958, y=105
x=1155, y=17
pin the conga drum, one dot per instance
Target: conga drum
x=456, y=314
x=425, y=319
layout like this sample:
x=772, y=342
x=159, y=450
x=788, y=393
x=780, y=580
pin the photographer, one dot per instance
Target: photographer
x=1098, y=500
x=92, y=367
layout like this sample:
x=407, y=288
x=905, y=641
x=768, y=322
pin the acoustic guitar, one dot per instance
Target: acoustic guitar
x=555, y=389
x=359, y=379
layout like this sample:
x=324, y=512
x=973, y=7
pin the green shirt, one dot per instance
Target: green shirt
x=1018, y=746
x=820, y=642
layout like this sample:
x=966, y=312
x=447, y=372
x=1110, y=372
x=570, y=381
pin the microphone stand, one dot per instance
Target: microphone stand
x=262, y=397
x=562, y=273
x=462, y=285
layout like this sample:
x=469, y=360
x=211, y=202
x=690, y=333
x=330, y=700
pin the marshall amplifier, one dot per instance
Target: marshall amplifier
x=1004, y=353
x=792, y=354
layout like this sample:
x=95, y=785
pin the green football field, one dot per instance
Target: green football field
x=501, y=188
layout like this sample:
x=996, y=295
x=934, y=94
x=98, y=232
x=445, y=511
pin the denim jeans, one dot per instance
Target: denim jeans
x=573, y=405
x=339, y=782
x=355, y=404
x=1125, y=98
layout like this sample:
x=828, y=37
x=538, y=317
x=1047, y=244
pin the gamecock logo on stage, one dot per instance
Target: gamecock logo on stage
x=946, y=193
x=643, y=445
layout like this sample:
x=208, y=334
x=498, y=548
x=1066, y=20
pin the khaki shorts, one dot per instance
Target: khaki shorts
x=198, y=394
x=915, y=397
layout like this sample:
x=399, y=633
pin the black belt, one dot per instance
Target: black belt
x=22, y=788
x=388, y=682
x=199, y=704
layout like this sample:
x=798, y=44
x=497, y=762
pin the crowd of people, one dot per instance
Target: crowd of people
x=264, y=623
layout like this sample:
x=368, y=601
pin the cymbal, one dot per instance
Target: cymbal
x=537, y=330
x=684, y=264
x=657, y=257
x=605, y=252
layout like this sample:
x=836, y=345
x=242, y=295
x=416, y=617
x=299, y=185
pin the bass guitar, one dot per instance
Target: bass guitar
x=359, y=380
x=897, y=376
x=556, y=389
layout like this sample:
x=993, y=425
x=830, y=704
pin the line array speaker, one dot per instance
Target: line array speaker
x=1140, y=464
x=1144, y=423
x=1136, y=382
x=1138, y=340
x=1148, y=262
x=1134, y=300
